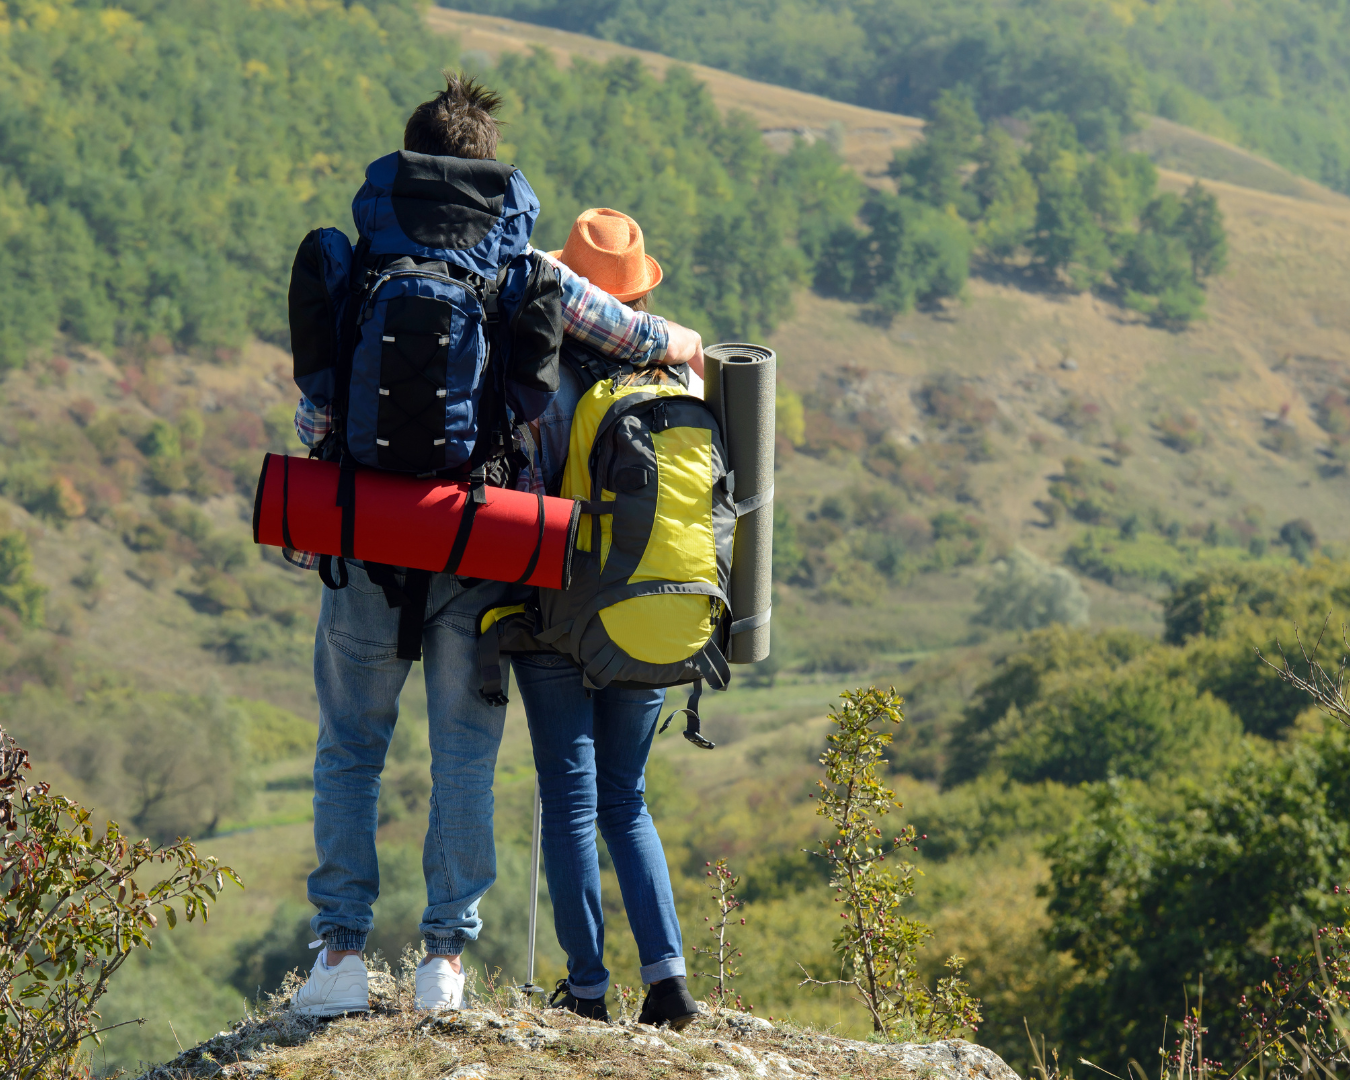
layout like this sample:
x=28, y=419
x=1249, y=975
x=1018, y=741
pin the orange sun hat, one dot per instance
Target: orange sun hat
x=606, y=248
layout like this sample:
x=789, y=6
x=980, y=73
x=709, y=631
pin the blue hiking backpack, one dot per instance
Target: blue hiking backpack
x=438, y=331
x=430, y=339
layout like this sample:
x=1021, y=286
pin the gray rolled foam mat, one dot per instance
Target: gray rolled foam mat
x=740, y=387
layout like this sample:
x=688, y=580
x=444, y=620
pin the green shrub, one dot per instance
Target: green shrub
x=1023, y=592
x=1180, y=431
x=1147, y=557
x=74, y=914
x=1148, y=900
x=272, y=732
x=20, y=592
x=1023, y=677
x=1135, y=722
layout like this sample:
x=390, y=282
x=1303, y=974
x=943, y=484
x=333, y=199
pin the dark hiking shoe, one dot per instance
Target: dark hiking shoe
x=669, y=1002
x=590, y=1008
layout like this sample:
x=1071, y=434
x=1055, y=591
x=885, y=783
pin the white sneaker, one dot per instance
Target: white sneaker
x=439, y=986
x=332, y=991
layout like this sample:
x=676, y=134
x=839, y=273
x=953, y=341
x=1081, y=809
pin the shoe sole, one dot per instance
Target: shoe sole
x=323, y=1012
x=679, y=1023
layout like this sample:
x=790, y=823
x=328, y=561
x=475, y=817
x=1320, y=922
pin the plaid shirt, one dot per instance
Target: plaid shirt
x=590, y=315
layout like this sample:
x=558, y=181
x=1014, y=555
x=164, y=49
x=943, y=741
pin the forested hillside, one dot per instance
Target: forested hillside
x=182, y=148
x=1062, y=437
x=1269, y=74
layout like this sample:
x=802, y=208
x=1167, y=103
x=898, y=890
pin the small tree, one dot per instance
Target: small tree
x=722, y=886
x=1201, y=224
x=73, y=912
x=877, y=942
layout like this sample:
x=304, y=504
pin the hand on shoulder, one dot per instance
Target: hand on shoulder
x=685, y=347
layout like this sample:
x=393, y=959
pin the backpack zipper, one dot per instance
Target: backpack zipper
x=369, y=301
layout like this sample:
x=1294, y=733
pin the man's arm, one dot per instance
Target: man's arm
x=594, y=317
x=312, y=423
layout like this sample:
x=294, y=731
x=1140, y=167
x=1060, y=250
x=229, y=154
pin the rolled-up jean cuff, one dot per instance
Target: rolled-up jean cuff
x=444, y=946
x=588, y=993
x=662, y=969
x=343, y=940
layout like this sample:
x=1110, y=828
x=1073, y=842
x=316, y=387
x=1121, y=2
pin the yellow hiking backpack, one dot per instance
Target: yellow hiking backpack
x=647, y=605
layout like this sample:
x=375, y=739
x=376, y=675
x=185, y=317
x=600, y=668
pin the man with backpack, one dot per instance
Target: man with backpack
x=423, y=351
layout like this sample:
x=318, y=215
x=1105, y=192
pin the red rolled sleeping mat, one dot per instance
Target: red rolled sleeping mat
x=421, y=524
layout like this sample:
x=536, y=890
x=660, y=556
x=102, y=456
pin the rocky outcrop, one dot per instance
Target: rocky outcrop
x=494, y=1042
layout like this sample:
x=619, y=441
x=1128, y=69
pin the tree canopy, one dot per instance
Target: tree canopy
x=162, y=160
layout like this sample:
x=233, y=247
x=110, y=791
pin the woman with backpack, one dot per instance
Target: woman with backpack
x=590, y=749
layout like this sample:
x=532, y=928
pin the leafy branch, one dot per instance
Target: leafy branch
x=73, y=913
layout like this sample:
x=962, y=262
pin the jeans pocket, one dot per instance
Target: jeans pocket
x=461, y=622
x=361, y=650
x=360, y=623
x=358, y=579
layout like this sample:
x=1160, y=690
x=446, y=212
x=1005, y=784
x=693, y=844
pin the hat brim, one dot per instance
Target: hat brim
x=652, y=278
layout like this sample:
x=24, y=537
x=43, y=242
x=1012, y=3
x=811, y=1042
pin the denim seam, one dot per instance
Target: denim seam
x=443, y=861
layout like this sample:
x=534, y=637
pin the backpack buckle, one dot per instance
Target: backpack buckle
x=478, y=485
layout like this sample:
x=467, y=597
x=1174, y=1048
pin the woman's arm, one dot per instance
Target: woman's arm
x=595, y=318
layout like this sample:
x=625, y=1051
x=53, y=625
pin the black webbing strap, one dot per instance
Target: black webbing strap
x=490, y=668
x=691, y=728
x=411, y=600
x=382, y=575
x=412, y=614
x=326, y=572
x=462, y=535
x=346, y=498
x=538, y=546
x=286, y=502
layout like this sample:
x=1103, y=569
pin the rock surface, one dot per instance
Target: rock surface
x=495, y=1042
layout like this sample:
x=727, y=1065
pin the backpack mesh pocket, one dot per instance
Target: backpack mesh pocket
x=410, y=430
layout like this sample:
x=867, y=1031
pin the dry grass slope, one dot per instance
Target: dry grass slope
x=870, y=136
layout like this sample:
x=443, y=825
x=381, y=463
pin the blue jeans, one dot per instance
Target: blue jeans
x=590, y=754
x=358, y=678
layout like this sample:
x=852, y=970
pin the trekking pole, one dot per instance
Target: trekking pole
x=535, y=841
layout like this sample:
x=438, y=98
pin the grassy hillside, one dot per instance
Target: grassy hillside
x=1018, y=416
x=868, y=137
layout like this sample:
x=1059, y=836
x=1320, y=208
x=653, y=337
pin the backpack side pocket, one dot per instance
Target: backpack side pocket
x=316, y=302
x=535, y=332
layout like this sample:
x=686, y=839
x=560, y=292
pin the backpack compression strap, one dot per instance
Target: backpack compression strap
x=410, y=599
x=691, y=729
x=493, y=686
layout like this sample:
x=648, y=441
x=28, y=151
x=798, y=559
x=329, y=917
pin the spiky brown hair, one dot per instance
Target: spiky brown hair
x=459, y=122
